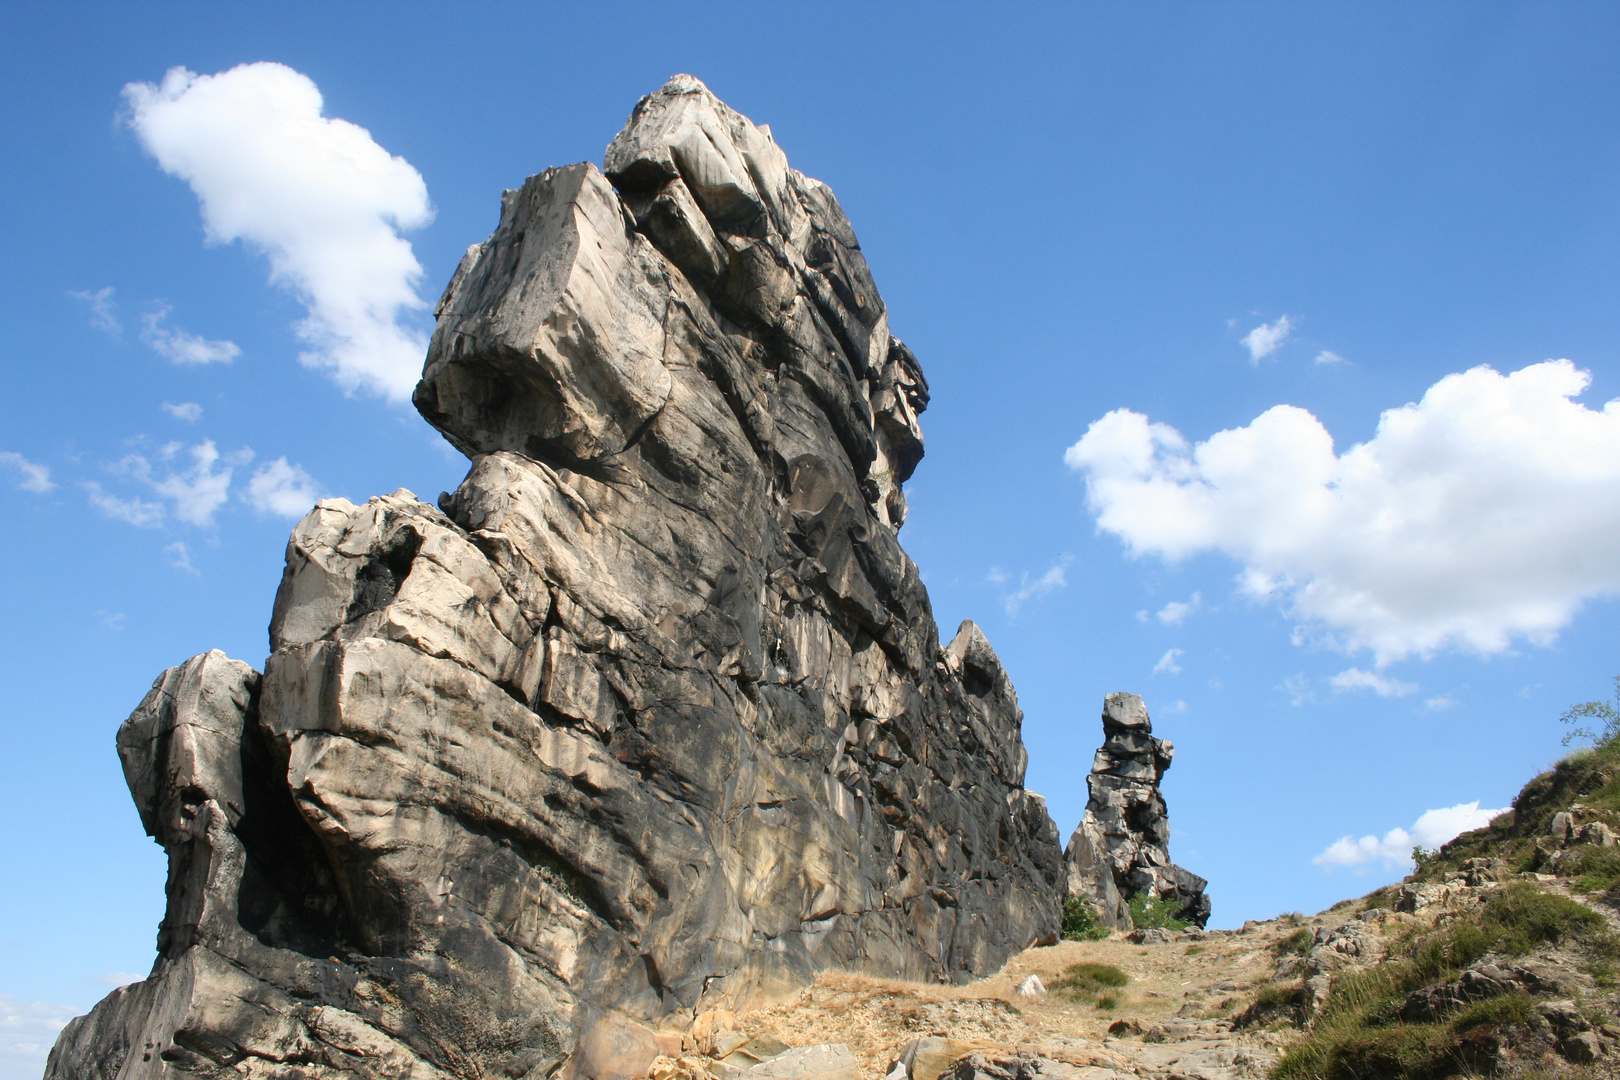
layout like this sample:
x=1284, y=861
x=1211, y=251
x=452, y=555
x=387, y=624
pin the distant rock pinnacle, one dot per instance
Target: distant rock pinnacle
x=1122, y=847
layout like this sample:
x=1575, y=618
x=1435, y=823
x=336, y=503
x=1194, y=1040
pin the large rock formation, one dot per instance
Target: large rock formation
x=649, y=716
x=1122, y=846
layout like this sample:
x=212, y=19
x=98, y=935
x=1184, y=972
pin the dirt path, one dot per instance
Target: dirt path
x=1172, y=1018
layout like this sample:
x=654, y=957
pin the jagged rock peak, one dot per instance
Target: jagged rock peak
x=649, y=717
x=1121, y=848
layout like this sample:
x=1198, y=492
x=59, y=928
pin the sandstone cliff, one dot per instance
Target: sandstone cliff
x=650, y=716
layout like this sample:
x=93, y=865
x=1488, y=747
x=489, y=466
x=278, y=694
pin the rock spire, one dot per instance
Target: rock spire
x=1122, y=846
x=649, y=717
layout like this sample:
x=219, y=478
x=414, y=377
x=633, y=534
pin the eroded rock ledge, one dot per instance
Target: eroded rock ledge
x=649, y=716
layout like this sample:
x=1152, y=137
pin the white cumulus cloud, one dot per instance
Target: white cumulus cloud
x=189, y=411
x=1267, y=338
x=1382, y=685
x=32, y=476
x=181, y=346
x=1167, y=662
x=1394, y=849
x=1487, y=511
x=316, y=194
x=277, y=487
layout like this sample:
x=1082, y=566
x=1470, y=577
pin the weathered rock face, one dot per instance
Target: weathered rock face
x=1122, y=846
x=649, y=716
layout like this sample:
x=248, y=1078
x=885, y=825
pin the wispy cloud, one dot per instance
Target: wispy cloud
x=1328, y=356
x=189, y=411
x=119, y=978
x=282, y=489
x=28, y=1029
x=112, y=620
x=1382, y=685
x=180, y=346
x=180, y=557
x=32, y=476
x=1167, y=663
x=1439, y=704
x=1176, y=611
x=135, y=511
x=1394, y=850
x=102, y=314
x=315, y=194
x=1267, y=338
x=1028, y=590
x=195, y=492
x=1298, y=689
x=195, y=481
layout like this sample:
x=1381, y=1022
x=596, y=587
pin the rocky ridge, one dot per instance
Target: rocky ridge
x=1121, y=847
x=648, y=718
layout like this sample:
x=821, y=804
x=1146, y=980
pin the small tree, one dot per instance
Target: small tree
x=1080, y=922
x=1148, y=911
x=1606, y=712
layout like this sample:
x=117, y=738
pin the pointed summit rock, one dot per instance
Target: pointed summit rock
x=1122, y=846
x=649, y=717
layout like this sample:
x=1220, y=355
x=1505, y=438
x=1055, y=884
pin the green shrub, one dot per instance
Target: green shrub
x=1194, y=950
x=1107, y=1002
x=1083, y=980
x=1149, y=912
x=1080, y=922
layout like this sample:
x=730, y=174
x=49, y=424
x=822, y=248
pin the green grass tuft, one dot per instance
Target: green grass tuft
x=1296, y=944
x=1521, y=916
x=1083, y=980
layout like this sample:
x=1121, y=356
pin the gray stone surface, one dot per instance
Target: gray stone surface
x=649, y=716
x=1121, y=848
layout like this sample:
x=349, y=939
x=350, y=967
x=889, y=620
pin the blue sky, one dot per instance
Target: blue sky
x=1071, y=210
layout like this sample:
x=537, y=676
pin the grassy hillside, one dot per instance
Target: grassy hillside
x=1508, y=964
